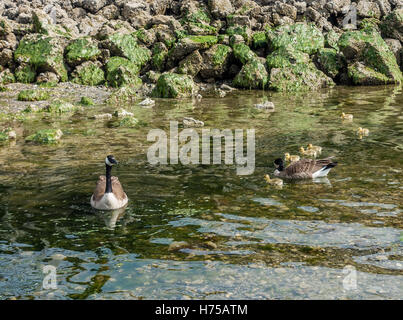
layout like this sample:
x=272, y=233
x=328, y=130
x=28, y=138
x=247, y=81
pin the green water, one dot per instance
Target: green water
x=246, y=240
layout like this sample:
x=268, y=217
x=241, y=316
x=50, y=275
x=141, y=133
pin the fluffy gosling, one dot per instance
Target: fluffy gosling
x=346, y=116
x=291, y=158
x=274, y=182
x=309, y=153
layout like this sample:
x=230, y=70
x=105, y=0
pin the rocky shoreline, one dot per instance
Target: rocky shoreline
x=169, y=48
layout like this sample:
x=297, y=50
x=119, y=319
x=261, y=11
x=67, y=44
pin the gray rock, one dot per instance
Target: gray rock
x=94, y=5
x=368, y=9
x=395, y=46
x=287, y=10
x=220, y=8
x=47, y=77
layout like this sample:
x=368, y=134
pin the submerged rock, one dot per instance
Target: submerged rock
x=192, y=123
x=122, y=113
x=173, y=85
x=147, y=102
x=129, y=122
x=45, y=136
x=59, y=106
x=177, y=245
x=102, y=116
x=267, y=106
x=7, y=134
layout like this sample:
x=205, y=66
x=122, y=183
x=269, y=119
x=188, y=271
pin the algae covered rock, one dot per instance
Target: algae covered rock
x=32, y=95
x=42, y=53
x=286, y=57
x=159, y=56
x=368, y=47
x=197, y=21
x=299, y=77
x=7, y=134
x=86, y=101
x=216, y=61
x=329, y=61
x=363, y=75
x=88, y=73
x=129, y=122
x=259, y=40
x=122, y=72
x=243, y=53
x=392, y=25
x=60, y=106
x=42, y=23
x=191, y=65
x=45, y=136
x=125, y=45
x=302, y=36
x=253, y=75
x=81, y=50
x=25, y=74
x=173, y=85
x=6, y=76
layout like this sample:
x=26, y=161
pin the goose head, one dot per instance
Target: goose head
x=110, y=160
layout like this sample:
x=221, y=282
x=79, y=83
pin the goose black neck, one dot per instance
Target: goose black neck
x=280, y=167
x=108, y=188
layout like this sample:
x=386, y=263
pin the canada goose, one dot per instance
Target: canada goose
x=291, y=158
x=108, y=194
x=309, y=152
x=275, y=182
x=314, y=148
x=346, y=116
x=304, y=168
x=363, y=131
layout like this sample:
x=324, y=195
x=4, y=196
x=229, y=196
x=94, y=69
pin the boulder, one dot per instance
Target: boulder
x=159, y=56
x=172, y=85
x=44, y=24
x=329, y=61
x=363, y=75
x=43, y=53
x=45, y=136
x=25, y=73
x=253, y=75
x=121, y=72
x=304, y=37
x=368, y=47
x=220, y=8
x=6, y=76
x=81, y=50
x=243, y=53
x=216, y=61
x=392, y=25
x=191, y=65
x=89, y=73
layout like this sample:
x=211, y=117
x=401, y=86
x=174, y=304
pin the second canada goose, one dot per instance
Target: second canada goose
x=304, y=168
x=108, y=194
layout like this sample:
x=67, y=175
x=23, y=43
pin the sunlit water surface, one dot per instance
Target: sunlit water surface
x=245, y=240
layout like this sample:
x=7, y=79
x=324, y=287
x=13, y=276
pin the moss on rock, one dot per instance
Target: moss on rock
x=363, y=75
x=122, y=72
x=243, y=53
x=329, y=61
x=42, y=53
x=33, y=95
x=60, y=106
x=6, y=76
x=173, y=85
x=86, y=101
x=368, y=47
x=81, y=50
x=285, y=57
x=129, y=122
x=253, y=75
x=159, y=56
x=89, y=73
x=302, y=36
x=45, y=136
x=191, y=65
x=25, y=74
x=216, y=61
x=259, y=39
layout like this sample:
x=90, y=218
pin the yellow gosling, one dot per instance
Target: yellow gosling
x=309, y=153
x=363, y=131
x=291, y=158
x=347, y=116
x=314, y=148
x=274, y=182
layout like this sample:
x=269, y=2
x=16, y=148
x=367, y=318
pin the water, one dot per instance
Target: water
x=245, y=240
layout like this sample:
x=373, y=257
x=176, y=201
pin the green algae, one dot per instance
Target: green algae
x=253, y=75
x=122, y=72
x=81, y=50
x=33, y=95
x=243, y=53
x=45, y=136
x=89, y=73
x=25, y=74
x=173, y=85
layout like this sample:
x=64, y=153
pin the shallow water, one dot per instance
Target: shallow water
x=246, y=240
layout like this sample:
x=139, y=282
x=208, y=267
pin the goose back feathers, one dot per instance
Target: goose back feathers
x=107, y=201
x=304, y=168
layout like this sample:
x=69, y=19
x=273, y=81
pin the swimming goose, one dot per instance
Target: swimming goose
x=346, y=116
x=275, y=182
x=108, y=194
x=291, y=158
x=309, y=152
x=314, y=148
x=304, y=169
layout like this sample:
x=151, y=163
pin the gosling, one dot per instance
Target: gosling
x=291, y=158
x=274, y=182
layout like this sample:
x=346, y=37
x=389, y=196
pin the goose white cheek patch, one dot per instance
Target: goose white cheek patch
x=107, y=162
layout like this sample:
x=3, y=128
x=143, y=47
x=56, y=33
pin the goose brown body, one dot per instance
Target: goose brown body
x=306, y=169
